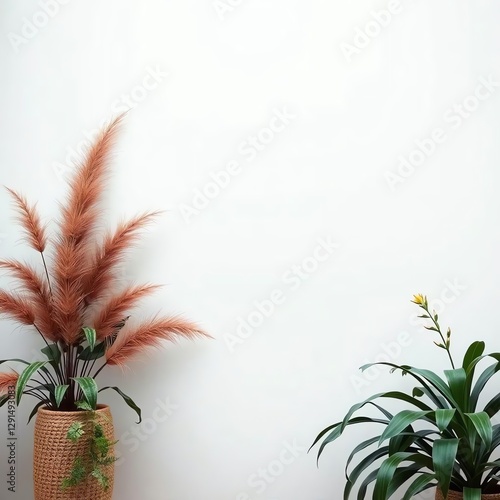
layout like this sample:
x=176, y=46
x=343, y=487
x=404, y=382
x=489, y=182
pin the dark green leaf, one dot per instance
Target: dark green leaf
x=444, y=452
x=88, y=354
x=443, y=418
x=472, y=493
x=53, y=353
x=457, y=384
x=35, y=410
x=474, y=351
x=482, y=424
x=386, y=473
x=400, y=421
x=420, y=484
x=127, y=400
x=59, y=392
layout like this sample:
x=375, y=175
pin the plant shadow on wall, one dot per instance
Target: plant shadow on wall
x=452, y=447
x=82, y=316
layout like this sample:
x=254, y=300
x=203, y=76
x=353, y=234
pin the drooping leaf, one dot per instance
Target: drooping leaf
x=400, y=421
x=25, y=376
x=35, y=410
x=361, y=467
x=444, y=417
x=127, y=399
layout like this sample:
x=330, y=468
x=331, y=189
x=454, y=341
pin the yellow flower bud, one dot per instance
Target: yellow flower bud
x=418, y=299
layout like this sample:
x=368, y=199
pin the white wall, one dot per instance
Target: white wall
x=221, y=77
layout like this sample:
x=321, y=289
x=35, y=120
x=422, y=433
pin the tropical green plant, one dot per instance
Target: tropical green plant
x=444, y=437
x=76, y=301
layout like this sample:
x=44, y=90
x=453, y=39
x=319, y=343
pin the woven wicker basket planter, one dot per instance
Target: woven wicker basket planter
x=455, y=495
x=54, y=455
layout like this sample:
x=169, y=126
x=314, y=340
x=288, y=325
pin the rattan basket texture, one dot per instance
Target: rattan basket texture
x=54, y=455
x=455, y=495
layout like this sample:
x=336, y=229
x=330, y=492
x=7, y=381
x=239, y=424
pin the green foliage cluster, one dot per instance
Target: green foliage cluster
x=98, y=447
x=454, y=444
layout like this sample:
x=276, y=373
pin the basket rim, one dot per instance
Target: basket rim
x=101, y=408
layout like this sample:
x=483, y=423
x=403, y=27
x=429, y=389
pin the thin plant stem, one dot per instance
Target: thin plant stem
x=46, y=273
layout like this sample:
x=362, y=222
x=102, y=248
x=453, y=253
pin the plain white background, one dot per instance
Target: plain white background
x=361, y=89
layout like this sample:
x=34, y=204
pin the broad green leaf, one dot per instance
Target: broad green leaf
x=89, y=389
x=474, y=351
x=401, y=421
x=386, y=473
x=35, y=410
x=59, y=392
x=90, y=335
x=444, y=452
x=88, y=355
x=401, y=476
x=420, y=484
x=472, y=493
x=25, y=376
x=444, y=417
x=127, y=400
x=482, y=424
x=457, y=383
x=53, y=353
x=436, y=382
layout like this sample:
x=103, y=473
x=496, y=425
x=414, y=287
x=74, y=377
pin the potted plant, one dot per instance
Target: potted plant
x=76, y=305
x=444, y=437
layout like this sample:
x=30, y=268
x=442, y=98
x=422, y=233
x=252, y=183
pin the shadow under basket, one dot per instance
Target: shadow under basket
x=456, y=495
x=54, y=455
